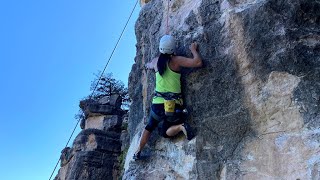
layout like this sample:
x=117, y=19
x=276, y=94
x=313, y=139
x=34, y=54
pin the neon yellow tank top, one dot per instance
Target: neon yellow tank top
x=168, y=82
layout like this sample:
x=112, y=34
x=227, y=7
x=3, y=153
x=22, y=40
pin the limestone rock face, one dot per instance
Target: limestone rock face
x=93, y=156
x=255, y=103
x=104, y=106
x=96, y=149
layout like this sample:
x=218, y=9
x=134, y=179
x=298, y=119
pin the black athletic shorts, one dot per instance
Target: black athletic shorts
x=163, y=124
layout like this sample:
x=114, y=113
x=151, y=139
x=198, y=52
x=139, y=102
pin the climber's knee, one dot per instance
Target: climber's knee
x=152, y=124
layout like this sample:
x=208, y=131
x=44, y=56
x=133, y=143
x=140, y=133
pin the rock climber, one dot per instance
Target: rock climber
x=167, y=104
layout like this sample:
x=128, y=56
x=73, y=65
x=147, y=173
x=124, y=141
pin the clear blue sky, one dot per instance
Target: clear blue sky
x=49, y=51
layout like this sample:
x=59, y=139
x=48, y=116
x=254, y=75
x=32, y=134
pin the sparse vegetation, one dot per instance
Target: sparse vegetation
x=108, y=86
x=122, y=159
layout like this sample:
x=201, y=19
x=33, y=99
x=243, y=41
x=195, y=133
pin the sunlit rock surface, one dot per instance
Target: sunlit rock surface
x=96, y=149
x=255, y=103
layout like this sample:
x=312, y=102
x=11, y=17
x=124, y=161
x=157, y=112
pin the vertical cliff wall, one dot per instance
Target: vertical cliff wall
x=255, y=103
x=96, y=149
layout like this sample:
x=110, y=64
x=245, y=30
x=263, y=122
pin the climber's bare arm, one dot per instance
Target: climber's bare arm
x=152, y=64
x=180, y=61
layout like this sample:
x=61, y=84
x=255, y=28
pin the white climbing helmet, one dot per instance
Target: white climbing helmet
x=167, y=44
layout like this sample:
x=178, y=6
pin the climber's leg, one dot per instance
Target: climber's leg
x=174, y=130
x=188, y=131
x=152, y=124
x=144, y=139
x=185, y=128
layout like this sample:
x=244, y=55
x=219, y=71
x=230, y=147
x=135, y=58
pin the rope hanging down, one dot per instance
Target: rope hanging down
x=105, y=67
x=167, y=25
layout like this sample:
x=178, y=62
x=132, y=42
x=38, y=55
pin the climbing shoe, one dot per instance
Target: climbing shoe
x=137, y=155
x=189, y=131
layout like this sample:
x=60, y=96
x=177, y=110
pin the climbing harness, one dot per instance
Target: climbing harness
x=170, y=100
x=168, y=95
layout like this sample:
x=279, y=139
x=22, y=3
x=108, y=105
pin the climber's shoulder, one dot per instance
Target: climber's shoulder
x=181, y=61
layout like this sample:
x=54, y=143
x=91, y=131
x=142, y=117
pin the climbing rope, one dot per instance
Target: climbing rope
x=105, y=67
x=167, y=24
